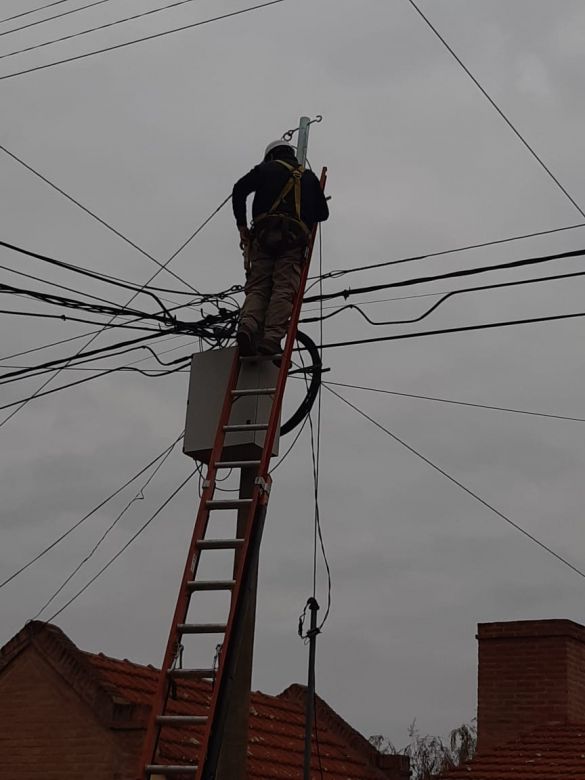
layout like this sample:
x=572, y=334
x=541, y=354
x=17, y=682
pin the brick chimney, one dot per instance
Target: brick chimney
x=531, y=672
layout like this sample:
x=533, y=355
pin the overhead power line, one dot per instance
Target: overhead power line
x=93, y=215
x=451, y=401
x=50, y=18
x=461, y=329
x=344, y=271
x=83, y=271
x=92, y=512
x=124, y=548
x=40, y=393
x=459, y=484
x=140, y=40
x=450, y=275
x=87, y=557
x=32, y=11
x=444, y=297
x=494, y=105
x=96, y=29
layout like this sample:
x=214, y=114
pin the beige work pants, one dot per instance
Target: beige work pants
x=271, y=286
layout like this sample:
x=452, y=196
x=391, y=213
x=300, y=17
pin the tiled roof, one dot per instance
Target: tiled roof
x=276, y=726
x=553, y=752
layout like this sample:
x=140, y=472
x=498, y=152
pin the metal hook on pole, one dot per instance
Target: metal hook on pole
x=289, y=133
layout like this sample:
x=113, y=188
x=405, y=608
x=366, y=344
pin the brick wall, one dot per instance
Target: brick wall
x=530, y=673
x=47, y=732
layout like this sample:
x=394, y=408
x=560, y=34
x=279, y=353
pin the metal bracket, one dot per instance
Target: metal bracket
x=263, y=484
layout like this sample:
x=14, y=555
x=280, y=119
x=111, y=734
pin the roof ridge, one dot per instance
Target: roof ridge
x=340, y=727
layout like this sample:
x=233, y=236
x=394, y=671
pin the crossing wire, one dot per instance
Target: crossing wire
x=138, y=497
x=50, y=18
x=115, y=557
x=32, y=11
x=96, y=29
x=494, y=105
x=86, y=517
x=459, y=484
x=466, y=248
x=460, y=329
x=453, y=402
x=450, y=275
x=140, y=40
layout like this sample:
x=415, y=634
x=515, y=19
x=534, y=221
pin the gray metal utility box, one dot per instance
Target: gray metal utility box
x=207, y=385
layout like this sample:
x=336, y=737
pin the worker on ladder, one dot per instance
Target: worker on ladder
x=288, y=201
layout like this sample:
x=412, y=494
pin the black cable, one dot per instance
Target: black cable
x=31, y=371
x=39, y=394
x=92, y=214
x=316, y=370
x=73, y=303
x=141, y=40
x=138, y=497
x=70, y=530
x=459, y=484
x=83, y=271
x=69, y=318
x=345, y=271
x=122, y=549
x=50, y=18
x=55, y=284
x=461, y=329
x=96, y=29
x=32, y=11
x=91, y=353
x=444, y=297
x=459, y=403
x=497, y=108
x=124, y=238
x=450, y=275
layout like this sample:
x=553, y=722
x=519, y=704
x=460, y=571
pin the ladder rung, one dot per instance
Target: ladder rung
x=170, y=769
x=255, y=391
x=246, y=427
x=201, y=628
x=181, y=720
x=219, y=544
x=228, y=503
x=190, y=674
x=236, y=464
x=196, y=585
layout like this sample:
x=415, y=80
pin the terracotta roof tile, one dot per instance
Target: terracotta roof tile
x=553, y=752
x=276, y=726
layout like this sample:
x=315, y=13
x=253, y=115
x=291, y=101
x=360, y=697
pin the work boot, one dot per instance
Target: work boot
x=245, y=341
x=269, y=347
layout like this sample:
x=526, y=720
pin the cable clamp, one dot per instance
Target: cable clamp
x=206, y=484
x=263, y=484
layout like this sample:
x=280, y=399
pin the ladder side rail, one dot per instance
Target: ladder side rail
x=287, y=354
x=224, y=681
x=206, y=768
x=164, y=684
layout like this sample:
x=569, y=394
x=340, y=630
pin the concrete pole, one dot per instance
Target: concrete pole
x=234, y=747
x=303, y=139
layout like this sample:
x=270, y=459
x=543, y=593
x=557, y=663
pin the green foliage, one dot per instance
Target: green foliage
x=430, y=756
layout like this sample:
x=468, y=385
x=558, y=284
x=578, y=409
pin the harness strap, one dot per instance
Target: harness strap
x=293, y=181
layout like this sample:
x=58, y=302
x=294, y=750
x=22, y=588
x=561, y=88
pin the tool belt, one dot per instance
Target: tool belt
x=278, y=233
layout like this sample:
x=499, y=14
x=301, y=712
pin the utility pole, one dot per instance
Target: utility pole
x=234, y=751
x=312, y=634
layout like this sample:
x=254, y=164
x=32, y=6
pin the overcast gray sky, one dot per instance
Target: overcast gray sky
x=152, y=137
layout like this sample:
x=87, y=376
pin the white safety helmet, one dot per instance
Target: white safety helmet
x=275, y=144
